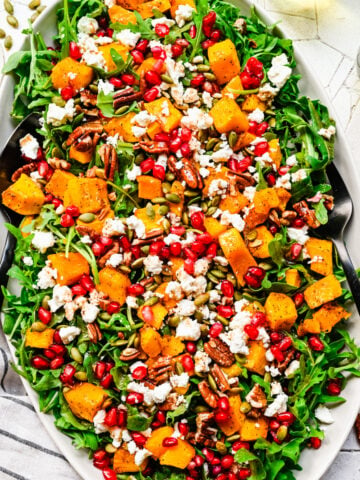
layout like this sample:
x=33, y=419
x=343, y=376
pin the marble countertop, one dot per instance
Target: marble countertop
x=327, y=33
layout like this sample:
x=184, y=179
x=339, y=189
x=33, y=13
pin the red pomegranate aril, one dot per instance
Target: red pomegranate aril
x=199, y=461
x=128, y=79
x=175, y=144
x=204, y=238
x=134, y=398
x=56, y=202
x=208, y=87
x=333, y=388
x=147, y=165
x=190, y=254
x=67, y=93
x=158, y=53
x=135, y=290
x=315, y=442
x=244, y=473
x=48, y=198
x=198, y=80
x=253, y=127
x=142, y=45
x=271, y=179
x=191, y=347
x=109, y=366
x=231, y=476
x=206, y=44
x=225, y=311
x=180, y=230
x=50, y=354
x=66, y=220
x=99, y=455
x=57, y=339
x=122, y=417
x=153, y=78
x=192, y=31
x=100, y=368
x=111, y=417
x=295, y=250
x=252, y=281
x=273, y=229
x=251, y=331
x=259, y=319
x=165, y=253
x=44, y=315
x=74, y=51
x=189, y=266
x=298, y=299
x=233, y=164
x=162, y=137
x=87, y=283
x=316, y=344
x=249, y=81
x=57, y=363
x=215, y=330
x=257, y=272
x=285, y=344
x=162, y=30
x=160, y=416
x=126, y=245
x=188, y=363
x=261, y=128
x=159, y=172
x=221, y=416
x=109, y=474
x=223, y=404
x=59, y=350
x=261, y=148
x=139, y=373
x=208, y=22
x=175, y=249
x=147, y=314
x=117, y=82
x=244, y=164
x=113, y=307
x=72, y=210
x=227, y=461
x=151, y=95
x=136, y=251
x=197, y=220
x=298, y=223
x=216, y=461
x=176, y=50
x=227, y=288
x=283, y=170
x=254, y=66
x=185, y=134
x=274, y=425
x=209, y=454
x=106, y=380
x=275, y=350
x=239, y=444
x=183, y=428
x=155, y=247
x=97, y=248
x=68, y=374
x=139, y=438
x=137, y=56
x=170, y=442
x=198, y=247
x=211, y=251
x=101, y=464
x=216, y=470
x=106, y=241
x=215, y=35
x=286, y=417
x=185, y=150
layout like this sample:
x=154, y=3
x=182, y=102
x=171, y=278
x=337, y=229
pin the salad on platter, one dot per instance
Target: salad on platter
x=179, y=316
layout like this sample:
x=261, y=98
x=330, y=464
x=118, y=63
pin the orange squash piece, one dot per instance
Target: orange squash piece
x=113, y=284
x=176, y=263
x=224, y=61
x=39, y=339
x=124, y=462
x=121, y=15
x=283, y=196
x=154, y=442
x=147, y=65
x=234, y=203
x=256, y=359
x=234, y=423
x=150, y=341
x=122, y=126
x=252, y=218
x=168, y=302
x=24, y=223
x=85, y=400
x=159, y=313
x=97, y=225
x=89, y=194
x=252, y=102
x=130, y=4
x=292, y=277
x=214, y=227
x=237, y=254
x=323, y=291
x=58, y=183
x=70, y=73
x=149, y=187
x=176, y=3
x=81, y=157
x=171, y=346
x=244, y=140
x=146, y=8
x=275, y=152
x=329, y=315
x=252, y=429
x=228, y=116
x=122, y=50
x=280, y=311
x=309, y=325
x=24, y=196
x=179, y=189
x=179, y=456
x=157, y=108
x=321, y=255
x=233, y=371
x=69, y=268
x=265, y=200
x=264, y=236
x=149, y=222
x=233, y=87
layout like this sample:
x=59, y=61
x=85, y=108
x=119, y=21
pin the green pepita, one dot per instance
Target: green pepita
x=2, y=33
x=170, y=177
x=13, y=21
x=235, y=390
x=204, y=329
x=58, y=101
x=125, y=269
x=201, y=299
x=232, y=438
x=241, y=359
x=167, y=79
x=87, y=217
x=255, y=243
x=172, y=198
x=174, y=321
x=185, y=218
x=201, y=409
x=265, y=266
x=45, y=302
x=216, y=201
x=237, y=295
x=245, y=407
x=212, y=278
x=233, y=137
x=218, y=273
x=204, y=206
x=211, y=143
x=41, y=8
x=34, y=4
x=145, y=249
x=222, y=319
x=130, y=235
x=252, y=235
x=109, y=448
x=163, y=210
x=159, y=200
x=38, y=327
x=179, y=368
x=81, y=376
x=231, y=278
x=131, y=340
x=282, y=432
x=194, y=200
x=203, y=68
x=105, y=316
x=121, y=110
x=93, y=88
x=212, y=382
x=76, y=355
x=166, y=224
x=150, y=212
x=119, y=343
x=8, y=7
x=211, y=211
x=151, y=301
x=138, y=263
x=198, y=315
x=139, y=158
x=221, y=447
x=166, y=187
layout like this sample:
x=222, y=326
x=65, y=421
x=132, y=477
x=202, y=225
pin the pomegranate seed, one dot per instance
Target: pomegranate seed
x=175, y=144
x=158, y=53
x=215, y=35
x=106, y=241
x=162, y=137
x=153, y=78
x=232, y=476
x=56, y=363
x=189, y=266
x=283, y=170
x=223, y=404
x=207, y=44
x=165, y=253
x=209, y=454
x=215, y=330
x=160, y=416
x=333, y=388
x=208, y=23
x=139, y=438
x=56, y=202
x=177, y=230
x=151, y=95
x=286, y=417
x=185, y=150
x=199, y=461
x=50, y=354
x=275, y=350
x=44, y=315
x=208, y=87
x=147, y=165
x=57, y=339
x=221, y=416
x=259, y=319
x=191, y=347
x=240, y=444
x=155, y=247
x=190, y=254
x=137, y=56
x=261, y=128
x=315, y=442
x=274, y=425
x=254, y=66
x=106, y=380
x=67, y=93
x=74, y=51
x=147, y=314
x=187, y=362
x=192, y=31
x=249, y=81
x=197, y=220
x=244, y=473
x=204, y=238
x=87, y=283
x=99, y=370
x=73, y=210
x=109, y=366
x=251, y=331
x=66, y=220
x=99, y=454
x=225, y=311
x=139, y=373
x=170, y=442
x=48, y=198
x=273, y=229
x=298, y=223
x=186, y=134
x=159, y=172
x=102, y=464
x=227, y=288
x=122, y=418
x=111, y=417
x=183, y=428
x=175, y=249
x=125, y=243
x=97, y=249
x=295, y=250
x=253, y=127
x=211, y=251
x=285, y=344
x=252, y=281
x=109, y=474
x=198, y=247
x=128, y=79
x=59, y=350
x=257, y=272
x=134, y=398
x=68, y=374
x=176, y=50
x=316, y=344
x=142, y=45
x=198, y=80
x=216, y=470
x=227, y=461
x=298, y=299
x=162, y=30
x=271, y=179
x=116, y=82
x=113, y=307
x=261, y=148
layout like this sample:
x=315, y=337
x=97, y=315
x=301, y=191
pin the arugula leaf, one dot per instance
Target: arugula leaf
x=257, y=467
x=136, y=421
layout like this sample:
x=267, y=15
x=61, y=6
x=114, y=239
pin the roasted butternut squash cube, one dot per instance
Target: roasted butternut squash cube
x=233, y=87
x=168, y=302
x=261, y=250
x=121, y=15
x=275, y=152
x=24, y=196
x=89, y=194
x=224, y=61
x=234, y=203
x=283, y=196
x=292, y=277
x=265, y=200
x=244, y=140
x=252, y=102
x=154, y=442
x=214, y=227
x=323, y=291
x=175, y=263
x=179, y=189
x=176, y=3
x=179, y=456
x=222, y=174
x=24, y=223
x=233, y=371
x=329, y=315
x=321, y=255
x=146, y=8
x=58, y=183
x=39, y=339
x=149, y=187
x=124, y=462
x=256, y=359
x=254, y=428
x=159, y=313
x=309, y=325
x=69, y=268
x=122, y=50
x=70, y=73
x=97, y=225
x=81, y=157
x=147, y=65
x=237, y=254
x=113, y=284
x=234, y=423
x=252, y=218
x=130, y=4
x=228, y=116
x=280, y=311
x=171, y=346
x=150, y=341
x=85, y=400
x=149, y=222
x=168, y=116
x=122, y=126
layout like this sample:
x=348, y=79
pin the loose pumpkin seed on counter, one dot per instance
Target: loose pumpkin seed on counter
x=177, y=297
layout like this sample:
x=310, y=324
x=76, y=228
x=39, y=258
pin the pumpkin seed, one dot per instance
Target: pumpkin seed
x=130, y=235
x=139, y=158
x=221, y=447
x=109, y=448
x=174, y=321
x=210, y=76
x=272, y=122
x=245, y=407
x=212, y=382
x=152, y=287
x=203, y=68
x=59, y=102
x=166, y=225
x=38, y=327
x=194, y=200
x=119, y=343
x=267, y=377
x=81, y=376
x=201, y=409
x=66, y=389
x=217, y=273
x=252, y=235
x=204, y=206
x=255, y=243
x=185, y=218
x=170, y=177
x=93, y=88
x=209, y=286
x=211, y=211
x=235, y=390
x=217, y=146
x=13, y=21
x=150, y=212
x=76, y=355
x=203, y=135
x=265, y=266
x=233, y=137
x=138, y=263
x=105, y=316
x=179, y=368
x=190, y=193
x=166, y=187
x=45, y=302
x=151, y=301
x=237, y=295
x=145, y=249
x=131, y=340
x=212, y=278
x=41, y=8
x=222, y=319
x=198, y=315
x=216, y=201
x=159, y=200
x=2, y=33
x=231, y=278
x=163, y=210
x=166, y=78
x=125, y=269
x=121, y=110
x=282, y=433
x=240, y=358
x=201, y=299
x=34, y=4
x=172, y=198
x=137, y=341
x=211, y=143
x=232, y=438
x=9, y=7
x=87, y=217
x=158, y=279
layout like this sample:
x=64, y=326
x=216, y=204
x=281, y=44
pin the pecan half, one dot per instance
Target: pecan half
x=150, y=146
x=109, y=158
x=94, y=332
x=151, y=236
x=88, y=98
x=243, y=180
x=288, y=358
x=205, y=430
x=115, y=248
x=171, y=403
x=256, y=397
x=26, y=169
x=59, y=164
x=160, y=369
x=87, y=129
x=126, y=96
x=219, y=352
x=307, y=214
x=220, y=378
x=208, y=395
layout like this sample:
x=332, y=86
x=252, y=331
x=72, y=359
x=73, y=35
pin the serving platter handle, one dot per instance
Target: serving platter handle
x=7, y=253
x=349, y=269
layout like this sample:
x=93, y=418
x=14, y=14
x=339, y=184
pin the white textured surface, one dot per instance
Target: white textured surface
x=328, y=34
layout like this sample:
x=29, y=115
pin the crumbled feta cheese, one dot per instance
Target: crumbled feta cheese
x=274, y=372
x=86, y=240
x=43, y=240
x=218, y=187
x=163, y=21
x=251, y=397
x=133, y=173
x=256, y=115
x=143, y=119
x=249, y=193
x=283, y=181
x=267, y=93
x=115, y=260
x=204, y=172
x=233, y=219
x=105, y=86
x=300, y=235
x=112, y=140
x=323, y=414
x=235, y=337
x=190, y=95
x=181, y=380
x=29, y=146
x=59, y=115
x=197, y=119
x=279, y=405
x=89, y=312
x=140, y=456
x=173, y=290
x=327, y=132
x=151, y=396
x=28, y=261
x=136, y=224
x=46, y=278
x=188, y=330
x=189, y=284
x=128, y=38
x=207, y=99
x=279, y=73
x=112, y=227
x=291, y=161
x=299, y=175
x=138, y=131
x=201, y=267
x=269, y=356
x=131, y=302
x=153, y=264
x=202, y=362
x=292, y=368
x=68, y=334
x=214, y=296
x=276, y=388
x=185, y=308
x=87, y=25
x=183, y=14
x=99, y=422
x=221, y=260
x=61, y=295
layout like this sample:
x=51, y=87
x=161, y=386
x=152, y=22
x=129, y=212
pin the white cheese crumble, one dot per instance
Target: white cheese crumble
x=68, y=334
x=105, y=86
x=292, y=368
x=197, y=119
x=43, y=240
x=151, y=396
x=89, y=312
x=87, y=25
x=185, y=308
x=327, y=132
x=190, y=95
x=284, y=181
x=112, y=227
x=29, y=146
x=28, y=261
x=61, y=295
x=153, y=264
x=291, y=161
x=137, y=225
x=173, y=290
x=233, y=219
x=324, y=415
x=299, y=175
x=300, y=235
x=181, y=380
x=279, y=405
x=256, y=115
x=46, y=278
x=202, y=362
x=128, y=38
x=60, y=115
x=279, y=73
x=115, y=260
x=218, y=187
x=183, y=14
x=163, y=21
x=188, y=330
